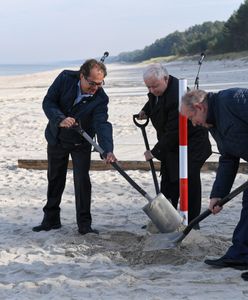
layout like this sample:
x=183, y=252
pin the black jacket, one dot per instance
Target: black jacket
x=93, y=114
x=228, y=113
x=165, y=118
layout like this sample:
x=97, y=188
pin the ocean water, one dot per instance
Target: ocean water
x=21, y=69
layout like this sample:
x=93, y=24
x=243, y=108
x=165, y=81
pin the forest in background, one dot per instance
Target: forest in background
x=210, y=37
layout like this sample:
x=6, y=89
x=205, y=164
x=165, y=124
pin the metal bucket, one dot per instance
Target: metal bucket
x=163, y=214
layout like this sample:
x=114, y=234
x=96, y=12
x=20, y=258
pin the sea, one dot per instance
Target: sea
x=21, y=69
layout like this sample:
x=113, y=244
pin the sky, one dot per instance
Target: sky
x=39, y=31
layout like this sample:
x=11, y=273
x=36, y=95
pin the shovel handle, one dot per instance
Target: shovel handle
x=143, y=129
x=114, y=164
x=150, y=160
x=154, y=176
x=208, y=212
x=141, y=125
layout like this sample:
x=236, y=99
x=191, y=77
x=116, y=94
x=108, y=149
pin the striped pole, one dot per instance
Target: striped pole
x=183, y=156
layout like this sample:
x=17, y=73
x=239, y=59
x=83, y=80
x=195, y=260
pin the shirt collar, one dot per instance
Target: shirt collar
x=80, y=93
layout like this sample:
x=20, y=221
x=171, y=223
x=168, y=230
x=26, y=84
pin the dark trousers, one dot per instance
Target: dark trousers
x=58, y=157
x=239, y=249
x=171, y=189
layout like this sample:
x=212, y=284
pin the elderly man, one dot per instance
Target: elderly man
x=74, y=96
x=162, y=108
x=225, y=114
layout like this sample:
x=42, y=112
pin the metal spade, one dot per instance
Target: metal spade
x=172, y=239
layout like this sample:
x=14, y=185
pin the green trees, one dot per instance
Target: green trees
x=200, y=38
x=210, y=37
x=235, y=32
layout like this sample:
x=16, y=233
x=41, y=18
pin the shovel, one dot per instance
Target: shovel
x=171, y=240
x=142, y=126
x=159, y=210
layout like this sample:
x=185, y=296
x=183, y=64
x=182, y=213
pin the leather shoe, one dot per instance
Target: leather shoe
x=85, y=230
x=227, y=263
x=46, y=227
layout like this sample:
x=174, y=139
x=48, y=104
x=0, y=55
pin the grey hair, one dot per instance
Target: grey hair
x=193, y=97
x=156, y=70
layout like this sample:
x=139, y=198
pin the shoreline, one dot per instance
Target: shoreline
x=38, y=68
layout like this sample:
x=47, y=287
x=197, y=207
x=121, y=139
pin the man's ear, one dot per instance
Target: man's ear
x=198, y=106
x=166, y=78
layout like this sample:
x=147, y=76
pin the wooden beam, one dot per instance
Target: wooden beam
x=96, y=165
x=99, y=165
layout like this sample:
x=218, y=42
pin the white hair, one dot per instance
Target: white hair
x=156, y=70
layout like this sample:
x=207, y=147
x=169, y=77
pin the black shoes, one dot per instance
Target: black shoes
x=85, y=230
x=227, y=263
x=46, y=227
x=49, y=226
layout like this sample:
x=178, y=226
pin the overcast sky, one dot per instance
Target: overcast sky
x=34, y=31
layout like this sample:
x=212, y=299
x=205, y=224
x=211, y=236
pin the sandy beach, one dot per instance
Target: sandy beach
x=117, y=264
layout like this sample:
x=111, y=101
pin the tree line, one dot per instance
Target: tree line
x=210, y=37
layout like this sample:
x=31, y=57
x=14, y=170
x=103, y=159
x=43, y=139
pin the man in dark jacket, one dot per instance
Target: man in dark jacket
x=163, y=110
x=75, y=96
x=225, y=114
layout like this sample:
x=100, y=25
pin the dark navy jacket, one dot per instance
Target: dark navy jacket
x=165, y=119
x=228, y=113
x=93, y=114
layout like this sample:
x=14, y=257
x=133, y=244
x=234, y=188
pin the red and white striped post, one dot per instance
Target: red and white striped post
x=183, y=156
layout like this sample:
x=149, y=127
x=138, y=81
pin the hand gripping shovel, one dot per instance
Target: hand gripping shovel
x=171, y=240
x=159, y=209
x=143, y=129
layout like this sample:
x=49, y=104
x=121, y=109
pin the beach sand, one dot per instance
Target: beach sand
x=120, y=263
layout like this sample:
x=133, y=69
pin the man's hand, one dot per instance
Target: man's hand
x=215, y=209
x=110, y=158
x=142, y=115
x=68, y=122
x=148, y=155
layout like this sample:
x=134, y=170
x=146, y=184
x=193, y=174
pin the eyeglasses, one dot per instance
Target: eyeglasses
x=93, y=83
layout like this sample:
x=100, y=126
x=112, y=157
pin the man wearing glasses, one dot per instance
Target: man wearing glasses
x=74, y=97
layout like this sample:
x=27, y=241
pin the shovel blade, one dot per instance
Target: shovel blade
x=161, y=241
x=163, y=214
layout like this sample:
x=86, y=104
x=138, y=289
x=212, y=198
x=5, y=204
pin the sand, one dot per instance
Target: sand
x=124, y=261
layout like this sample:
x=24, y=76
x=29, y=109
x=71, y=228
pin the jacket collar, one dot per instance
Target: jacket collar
x=211, y=97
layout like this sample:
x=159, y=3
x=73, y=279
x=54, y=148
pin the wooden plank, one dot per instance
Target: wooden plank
x=99, y=165
x=96, y=165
